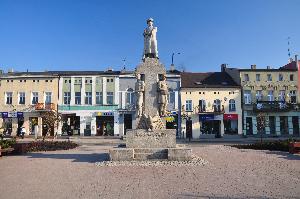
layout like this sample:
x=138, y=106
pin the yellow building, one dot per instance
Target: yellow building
x=24, y=96
x=271, y=94
x=211, y=104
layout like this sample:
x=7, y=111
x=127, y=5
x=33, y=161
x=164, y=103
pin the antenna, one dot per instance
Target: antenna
x=289, y=52
x=124, y=63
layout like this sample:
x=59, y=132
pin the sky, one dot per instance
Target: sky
x=41, y=35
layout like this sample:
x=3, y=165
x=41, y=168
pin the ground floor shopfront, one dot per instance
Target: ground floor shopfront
x=31, y=121
x=89, y=123
x=212, y=125
x=276, y=124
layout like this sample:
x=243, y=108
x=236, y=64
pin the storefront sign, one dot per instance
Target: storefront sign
x=20, y=114
x=230, y=116
x=204, y=117
x=4, y=114
x=170, y=119
x=105, y=114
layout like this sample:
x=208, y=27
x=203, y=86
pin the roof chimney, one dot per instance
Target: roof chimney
x=290, y=60
x=11, y=70
x=172, y=67
x=268, y=67
x=223, y=67
x=253, y=66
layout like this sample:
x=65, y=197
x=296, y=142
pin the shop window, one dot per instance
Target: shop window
x=232, y=107
x=22, y=98
x=9, y=97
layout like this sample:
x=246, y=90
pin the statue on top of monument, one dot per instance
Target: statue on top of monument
x=139, y=89
x=162, y=96
x=150, y=42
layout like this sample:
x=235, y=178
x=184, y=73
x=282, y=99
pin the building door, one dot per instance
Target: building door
x=272, y=125
x=20, y=124
x=105, y=125
x=249, y=127
x=295, y=121
x=189, y=128
x=127, y=122
x=284, y=125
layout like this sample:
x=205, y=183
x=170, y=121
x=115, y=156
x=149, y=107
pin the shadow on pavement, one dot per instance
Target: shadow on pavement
x=187, y=195
x=89, y=158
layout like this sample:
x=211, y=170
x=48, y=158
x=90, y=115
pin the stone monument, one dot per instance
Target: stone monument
x=151, y=139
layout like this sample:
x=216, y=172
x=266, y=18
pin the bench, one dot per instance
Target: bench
x=7, y=150
x=294, y=147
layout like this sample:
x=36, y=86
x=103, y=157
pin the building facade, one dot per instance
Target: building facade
x=25, y=96
x=88, y=102
x=211, y=105
x=270, y=100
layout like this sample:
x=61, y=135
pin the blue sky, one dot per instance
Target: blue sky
x=95, y=34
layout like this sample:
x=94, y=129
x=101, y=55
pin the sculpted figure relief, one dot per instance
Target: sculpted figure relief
x=150, y=42
x=163, y=96
x=140, y=89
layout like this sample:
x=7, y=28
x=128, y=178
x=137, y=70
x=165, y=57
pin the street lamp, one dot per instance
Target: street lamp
x=173, y=58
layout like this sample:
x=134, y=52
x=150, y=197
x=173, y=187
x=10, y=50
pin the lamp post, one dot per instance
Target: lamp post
x=173, y=58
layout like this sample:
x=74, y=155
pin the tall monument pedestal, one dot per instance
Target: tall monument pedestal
x=151, y=140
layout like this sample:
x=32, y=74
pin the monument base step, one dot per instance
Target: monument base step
x=140, y=154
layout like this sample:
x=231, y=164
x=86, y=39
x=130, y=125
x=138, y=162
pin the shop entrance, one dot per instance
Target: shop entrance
x=230, y=127
x=171, y=123
x=295, y=125
x=71, y=124
x=105, y=125
x=33, y=125
x=20, y=124
x=249, y=127
x=7, y=124
x=127, y=122
x=211, y=127
x=284, y=125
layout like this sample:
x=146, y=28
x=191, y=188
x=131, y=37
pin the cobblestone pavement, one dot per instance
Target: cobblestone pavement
x=229, y=173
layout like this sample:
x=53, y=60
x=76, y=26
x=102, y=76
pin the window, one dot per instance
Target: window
x=171, y=97
x=247, y=97
x=270, y=96
x=257, y=77
x=107, y=80
x=232, y=105
x=130, y=96
x=22, y=98
x=188, y=105
x=99, y=98
x=280, y=77
x=269, y=77
x=259, y=95
x=246, y=77
x=88, y=98
x=291, y=77
x=35, y=98
x=217, y=105
x=46, y=80
x=67, y=97
x=111, y=80
x=293, y=97
x=77, y=97
x=9, y=97
x=48, y=97
x=281, y=96
x=202, y=105
x=91, y=81
x=110, y=98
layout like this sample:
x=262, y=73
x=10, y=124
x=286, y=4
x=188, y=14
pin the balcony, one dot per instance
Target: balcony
x=274, y=106
x=44, y=107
